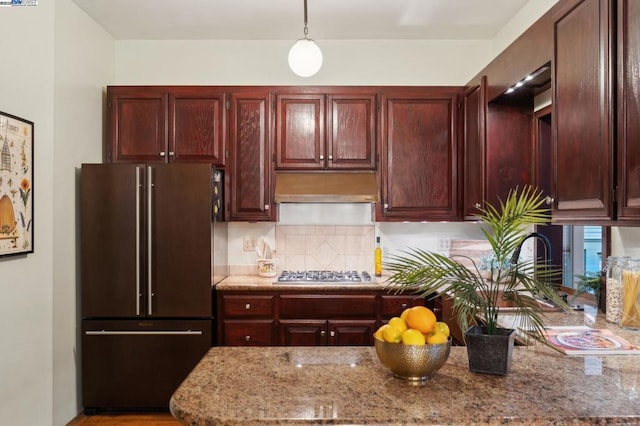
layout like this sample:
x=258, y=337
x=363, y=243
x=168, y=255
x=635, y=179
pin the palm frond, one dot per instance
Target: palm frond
x=475, y=297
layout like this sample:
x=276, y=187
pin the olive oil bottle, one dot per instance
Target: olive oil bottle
x=378, y=258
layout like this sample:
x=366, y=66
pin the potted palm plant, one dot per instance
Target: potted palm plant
x=478, y=297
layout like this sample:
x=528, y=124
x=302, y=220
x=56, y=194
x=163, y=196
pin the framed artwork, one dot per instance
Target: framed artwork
x=16, y=185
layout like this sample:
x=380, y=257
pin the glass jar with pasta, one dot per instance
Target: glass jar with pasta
x=614, y=288
x=631, y=294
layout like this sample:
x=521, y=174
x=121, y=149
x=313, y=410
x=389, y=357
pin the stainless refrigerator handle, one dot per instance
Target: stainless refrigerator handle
x=142, y=333
x=138, y=240
x=149, y=242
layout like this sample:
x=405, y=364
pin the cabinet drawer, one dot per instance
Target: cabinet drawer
x=247, y=305
x=327, y=306
x=248, y=333
x=392, y=306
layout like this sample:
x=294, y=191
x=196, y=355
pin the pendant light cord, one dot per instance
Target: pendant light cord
x=306, y=30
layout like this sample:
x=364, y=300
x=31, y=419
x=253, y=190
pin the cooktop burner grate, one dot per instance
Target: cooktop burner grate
x=323, y=276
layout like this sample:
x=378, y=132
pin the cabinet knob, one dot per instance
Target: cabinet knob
x=247, y=338
x=477, y=205
x=386, y=206
x=323, y=333
x=404, y=305
x=171, y=153
x=162, y=153
x=436, y=310
x=322, y=157
x=247, y=306
x=332, y=334
x=549, y=200
x=266, y=206
x=331, y=158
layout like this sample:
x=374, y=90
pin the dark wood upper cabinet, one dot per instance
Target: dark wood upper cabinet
x=163, y=124
x=420, y=154
x=475, y=112
x=333, y=129
x=197, y=125
x=300, y=131
x=628, y=113
x=583, y=111
x=137, y=130
x=351, y=131
x=250, y=173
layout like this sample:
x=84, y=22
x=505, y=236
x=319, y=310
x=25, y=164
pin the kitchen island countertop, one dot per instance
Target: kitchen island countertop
x=255, y=282
x=348, y=385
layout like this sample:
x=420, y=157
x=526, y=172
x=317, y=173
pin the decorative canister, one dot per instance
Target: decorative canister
x=267, y=267
x=614, y=288
x=631, y=294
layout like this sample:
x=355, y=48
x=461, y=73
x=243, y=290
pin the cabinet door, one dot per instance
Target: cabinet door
x=582, y=98
x=250, y=167
x=474, y=145
x=137, y=130
x=303, y=332
x=300, y=131
x=628, y=110
x=179, y=275
x=351, y=332
x=351, y=131
x=419, y=166
x=197, y=126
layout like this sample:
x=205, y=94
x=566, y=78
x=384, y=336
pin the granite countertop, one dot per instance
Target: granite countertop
x=255, y=282
x=348, y=385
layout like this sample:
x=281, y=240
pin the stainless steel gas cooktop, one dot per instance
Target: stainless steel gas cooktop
x=308, y=277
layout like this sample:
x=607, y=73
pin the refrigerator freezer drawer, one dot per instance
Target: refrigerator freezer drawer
x=138, y=364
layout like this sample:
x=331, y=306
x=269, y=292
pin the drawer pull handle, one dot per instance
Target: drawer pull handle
x=436, y=309
x=247, y=338
x=404, y=305
x=247, y=306
x=323, y=333
x=332, y=334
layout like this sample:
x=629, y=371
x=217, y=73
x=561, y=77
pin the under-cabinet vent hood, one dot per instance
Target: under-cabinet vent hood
x=328, y=187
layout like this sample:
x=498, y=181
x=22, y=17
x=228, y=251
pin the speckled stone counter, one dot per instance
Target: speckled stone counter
x=254, y=282
x=348, y=385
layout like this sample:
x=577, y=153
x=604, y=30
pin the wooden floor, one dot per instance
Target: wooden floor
x=156, y=419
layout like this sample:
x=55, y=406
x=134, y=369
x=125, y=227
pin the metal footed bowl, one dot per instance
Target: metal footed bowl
x=414, y=363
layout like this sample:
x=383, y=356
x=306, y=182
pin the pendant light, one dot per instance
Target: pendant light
x=305, y=57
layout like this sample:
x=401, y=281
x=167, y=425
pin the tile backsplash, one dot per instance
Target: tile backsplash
x=325, y=247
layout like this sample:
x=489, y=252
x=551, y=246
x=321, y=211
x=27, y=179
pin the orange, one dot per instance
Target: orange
x=404, y=314
x=421, y=318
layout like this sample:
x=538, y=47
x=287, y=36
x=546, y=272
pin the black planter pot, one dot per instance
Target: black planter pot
x=490, y=354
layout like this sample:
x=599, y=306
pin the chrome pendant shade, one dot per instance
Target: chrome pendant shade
x=305, y=57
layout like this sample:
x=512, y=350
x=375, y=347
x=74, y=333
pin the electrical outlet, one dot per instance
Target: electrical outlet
x=248, y=243
x=444, y=244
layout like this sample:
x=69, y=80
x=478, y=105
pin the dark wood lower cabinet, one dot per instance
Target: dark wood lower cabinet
x=305, y=318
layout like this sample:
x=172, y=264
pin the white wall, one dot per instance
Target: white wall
x=83, y=67
x=355, y=62
x=26, y=285
x=530, y=13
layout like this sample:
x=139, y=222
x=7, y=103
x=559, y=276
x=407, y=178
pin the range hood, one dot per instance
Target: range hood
x=330, y=187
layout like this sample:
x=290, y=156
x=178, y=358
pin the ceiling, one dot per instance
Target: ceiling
x=284, y=19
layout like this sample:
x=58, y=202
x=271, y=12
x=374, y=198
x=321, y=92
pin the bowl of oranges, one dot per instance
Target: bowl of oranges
x=414, y=345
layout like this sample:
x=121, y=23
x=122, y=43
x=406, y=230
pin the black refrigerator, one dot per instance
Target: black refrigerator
x=147, y=235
